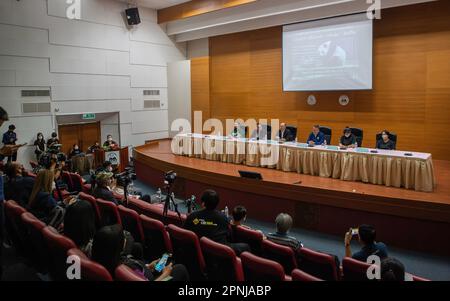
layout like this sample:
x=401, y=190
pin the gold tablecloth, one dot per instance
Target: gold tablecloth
x=411, y=172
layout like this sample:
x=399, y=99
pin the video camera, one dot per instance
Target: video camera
x=126, y=177
x=170, y=177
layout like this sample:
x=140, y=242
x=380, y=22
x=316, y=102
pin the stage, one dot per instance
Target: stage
x=403, y=218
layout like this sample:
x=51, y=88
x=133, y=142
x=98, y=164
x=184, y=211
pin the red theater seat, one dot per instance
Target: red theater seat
x=157, y=240
x=298, y=275
x=417, y=278
x=132, y=223
x=251, y=237
x=155, y=211
x=187, y=251
x=261, y=269
x=108, y=212
x=354, y=270
x=15, y=226
x=34, y=164
x=38, y=248
x=94, y=205
x=124, y=273
x=281, y=254
x=320, y=265
x=221, y=261
x=87, y=188
x=57, y=245
x=90, y=270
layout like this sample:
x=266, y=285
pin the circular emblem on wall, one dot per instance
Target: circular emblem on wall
x=311, y=100
x=344, y=100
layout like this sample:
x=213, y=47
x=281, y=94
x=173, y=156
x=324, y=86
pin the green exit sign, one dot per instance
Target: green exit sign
x=89, y=116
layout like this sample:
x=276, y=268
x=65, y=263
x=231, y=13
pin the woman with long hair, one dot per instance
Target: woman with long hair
x=41, y=201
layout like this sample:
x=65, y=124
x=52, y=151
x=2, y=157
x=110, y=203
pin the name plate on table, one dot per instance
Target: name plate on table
x=333, y=147
x=302, y=145
x=361, y=150
x=113, y=157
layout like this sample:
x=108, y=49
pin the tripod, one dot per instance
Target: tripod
x=170, y=203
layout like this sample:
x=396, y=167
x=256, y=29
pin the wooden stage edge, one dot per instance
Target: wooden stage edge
x=404, y=218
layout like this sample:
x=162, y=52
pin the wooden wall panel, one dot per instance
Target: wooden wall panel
x=200, y=86
x=411, y=94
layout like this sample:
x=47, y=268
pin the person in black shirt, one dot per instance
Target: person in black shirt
x=348, y=140
x=94, y=148
x=40, y=146
x=75, y=151
x=385, y=142
x=366, y=236
x=9, y=139
x=53, y=143
x=211, y=223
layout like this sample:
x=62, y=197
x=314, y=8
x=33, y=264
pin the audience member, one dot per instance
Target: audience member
x=284, y=223
x=392, y=270
x=108, y=249
x=211, y=223
x=18, y=186
x=79, y=225
x=104, y=181
x=366, y=236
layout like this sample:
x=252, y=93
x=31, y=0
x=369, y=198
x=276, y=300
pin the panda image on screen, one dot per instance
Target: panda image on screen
x=332, y=55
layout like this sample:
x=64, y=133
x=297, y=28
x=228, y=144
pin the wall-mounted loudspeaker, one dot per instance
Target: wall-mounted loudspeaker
x=133, y=17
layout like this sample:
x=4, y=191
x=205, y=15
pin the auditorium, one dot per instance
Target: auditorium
x=224, y=141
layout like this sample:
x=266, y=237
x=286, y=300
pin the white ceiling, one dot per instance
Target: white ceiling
x=155, y=4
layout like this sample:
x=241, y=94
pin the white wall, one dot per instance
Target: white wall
x=95, y=64
x=179, y=75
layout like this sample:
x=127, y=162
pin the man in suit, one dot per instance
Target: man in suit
x=260, y=133
x=284, y=134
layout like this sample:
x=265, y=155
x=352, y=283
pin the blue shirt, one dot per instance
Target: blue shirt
x=377, y=248
x=318, y=140
x=9, y=138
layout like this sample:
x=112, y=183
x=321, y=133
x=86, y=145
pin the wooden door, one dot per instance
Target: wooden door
x=84, y=135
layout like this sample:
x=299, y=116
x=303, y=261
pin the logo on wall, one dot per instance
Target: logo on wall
x=112, y=157
x=73, y=12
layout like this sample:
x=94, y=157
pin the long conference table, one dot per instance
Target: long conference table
x=411, y=170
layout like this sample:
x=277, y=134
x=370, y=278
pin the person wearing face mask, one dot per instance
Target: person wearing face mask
x=40, y=146
x=75, y=151
x=110, y=144
x=385, y=142
x=348, y=140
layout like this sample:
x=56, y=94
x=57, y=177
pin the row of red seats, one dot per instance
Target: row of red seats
x=205, y=257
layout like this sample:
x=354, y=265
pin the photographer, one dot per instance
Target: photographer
x=104, y=184
x=211, y=223
x=366, y=236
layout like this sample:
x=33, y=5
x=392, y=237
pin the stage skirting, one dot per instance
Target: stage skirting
x=385, y=167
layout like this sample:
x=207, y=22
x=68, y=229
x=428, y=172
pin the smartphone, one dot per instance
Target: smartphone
x=162, y=262
x=355, y=231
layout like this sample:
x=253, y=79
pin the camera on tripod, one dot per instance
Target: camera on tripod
x=126, y=177
x=170, y=177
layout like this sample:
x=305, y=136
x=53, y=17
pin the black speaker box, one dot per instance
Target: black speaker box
x=133, y=16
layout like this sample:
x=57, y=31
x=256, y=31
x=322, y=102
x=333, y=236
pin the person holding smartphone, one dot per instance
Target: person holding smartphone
x=108, y=250
x=366, y=236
